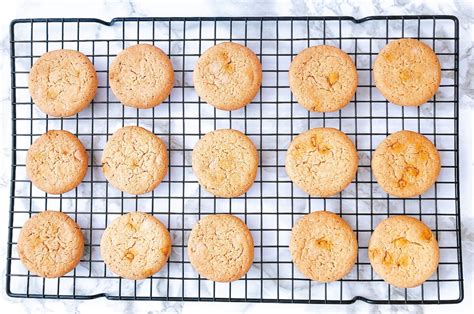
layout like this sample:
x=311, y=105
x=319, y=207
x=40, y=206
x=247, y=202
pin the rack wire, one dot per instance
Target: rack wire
x=273, y=118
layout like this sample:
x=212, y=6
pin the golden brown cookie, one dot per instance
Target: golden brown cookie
x=141, y=76
x=135, y=245
x=407, y=72
x=403, y=251
x=50, y=244
x=62, y=82
x=135, y=160
x=225, y=162
x=220, y=248
x=228, y=76
x=323, y=78
x=56, y=162
x=321, y=161
x=406, y=164
x=323, y=246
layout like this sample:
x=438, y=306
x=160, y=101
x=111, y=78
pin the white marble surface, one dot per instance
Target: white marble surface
x=109, y=9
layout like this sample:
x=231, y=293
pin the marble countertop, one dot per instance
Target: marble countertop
x=105, y=9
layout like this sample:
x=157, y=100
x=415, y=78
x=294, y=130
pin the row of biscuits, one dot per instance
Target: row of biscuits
x=228, y=76
x=402, y=250
x=322, y=162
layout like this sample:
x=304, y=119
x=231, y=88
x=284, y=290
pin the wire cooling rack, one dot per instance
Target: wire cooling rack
x=273, y=118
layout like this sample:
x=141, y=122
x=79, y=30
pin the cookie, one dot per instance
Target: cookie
x=62, y=82
x=228, y=76
x=323, y=246
x=225, y=162
x=321, y=161
x=135, y=246
x=407, y=72
x=50, y=244
x=141, y=76
x=406, y=164
x=323, y=78
x=403, y=251
x=220, y=248
x=56, y=162
x=135, y=160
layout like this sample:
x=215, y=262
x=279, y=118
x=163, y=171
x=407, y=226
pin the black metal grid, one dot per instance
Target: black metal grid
x=272, y=205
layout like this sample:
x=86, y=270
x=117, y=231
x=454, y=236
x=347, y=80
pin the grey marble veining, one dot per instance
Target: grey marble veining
x=109, y=9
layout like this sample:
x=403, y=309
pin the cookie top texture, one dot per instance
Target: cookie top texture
x=50, y=244
x=220, y=248
x=135, y=160
x=407, y=72
x=403, y=251
x=228, y=76
x=225, y=162
x=135, y=245
x=56, y=162
x=62, y=82
x=141, y=76
x=406, y=164
x=321, y=161
x=323, y=246
x=323, y=78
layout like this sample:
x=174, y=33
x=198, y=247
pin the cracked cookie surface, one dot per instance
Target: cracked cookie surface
x=323, y=246
x=321, y=161
x=62, y=82
x=56, y=162
x=135, y=160
x=135, y=245
x=50, y=244
x=141, y=76
x=407, y=72
x=228, y=76
x=220, y=248
x=403, y=251
x=225, y=162
x=323, y=78
x=406, y=164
